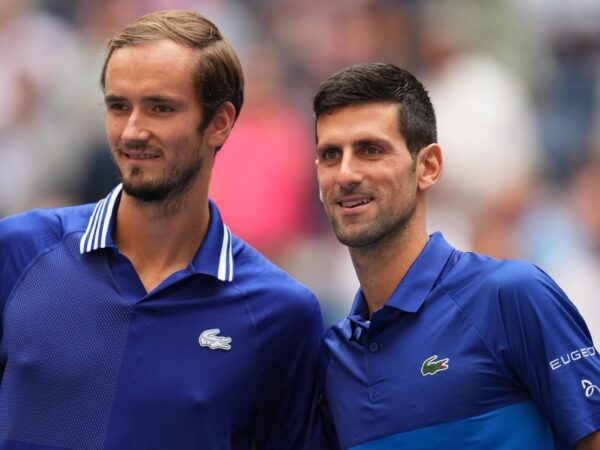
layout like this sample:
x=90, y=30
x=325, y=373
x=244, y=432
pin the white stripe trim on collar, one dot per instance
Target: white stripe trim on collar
x=97, y=230
x=225, y=272
x=96, y=234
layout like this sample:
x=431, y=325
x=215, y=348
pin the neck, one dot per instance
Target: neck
x=160, y=239
x=382, y=266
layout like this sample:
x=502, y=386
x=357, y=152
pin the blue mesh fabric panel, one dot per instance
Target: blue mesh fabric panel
x=64, y=337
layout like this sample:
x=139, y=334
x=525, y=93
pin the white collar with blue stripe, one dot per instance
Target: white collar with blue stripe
x=216, y=249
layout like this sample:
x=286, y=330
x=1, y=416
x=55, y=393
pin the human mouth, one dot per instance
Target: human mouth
x=354, y=203
x=139, y=154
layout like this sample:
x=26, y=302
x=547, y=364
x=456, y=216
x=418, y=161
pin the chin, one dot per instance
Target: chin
x=351, y=240
x=146, y=192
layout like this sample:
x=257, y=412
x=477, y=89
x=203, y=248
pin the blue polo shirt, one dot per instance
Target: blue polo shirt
x=468, y=353
x=222, y=353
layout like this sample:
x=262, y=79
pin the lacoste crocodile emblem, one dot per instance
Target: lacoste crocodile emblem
x=431, y=366
x=209, y=338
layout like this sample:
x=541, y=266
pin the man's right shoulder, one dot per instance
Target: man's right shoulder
x=43, y=226
x=26, y=236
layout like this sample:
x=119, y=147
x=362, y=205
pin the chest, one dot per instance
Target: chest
x=76, y=334
x=411, y=371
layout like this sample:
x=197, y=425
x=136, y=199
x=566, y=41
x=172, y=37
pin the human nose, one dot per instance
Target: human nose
x=349, y=172
x=135, y=128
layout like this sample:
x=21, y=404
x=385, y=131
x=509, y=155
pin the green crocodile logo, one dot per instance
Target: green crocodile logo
x=431, y=366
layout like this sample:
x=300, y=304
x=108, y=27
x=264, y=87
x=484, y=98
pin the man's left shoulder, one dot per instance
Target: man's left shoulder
x=257, y=275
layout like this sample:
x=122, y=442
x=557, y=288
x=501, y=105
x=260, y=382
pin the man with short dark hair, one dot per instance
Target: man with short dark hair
x=442, y=349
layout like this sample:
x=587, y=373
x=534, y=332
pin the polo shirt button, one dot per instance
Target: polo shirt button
x=373, y=346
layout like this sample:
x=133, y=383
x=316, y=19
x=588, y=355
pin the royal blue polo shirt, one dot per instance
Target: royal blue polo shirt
x=469, y=352
x=220, y=354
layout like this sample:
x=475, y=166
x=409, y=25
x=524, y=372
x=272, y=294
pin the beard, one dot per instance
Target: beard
x=372, y=235
x=163, y=189
x=390, y=223
x=157, y=191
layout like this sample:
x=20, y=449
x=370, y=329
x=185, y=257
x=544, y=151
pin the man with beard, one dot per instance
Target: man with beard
x=441, y=349
x=142, y=322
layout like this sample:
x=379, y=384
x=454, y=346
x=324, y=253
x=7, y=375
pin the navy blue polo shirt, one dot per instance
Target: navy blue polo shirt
x=222, y=353
x=468, y=353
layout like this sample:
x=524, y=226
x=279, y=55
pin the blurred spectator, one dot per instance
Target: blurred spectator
x=320, y=37
x=579, y=268
x=560, y=233
x=569, y=32
x=486, y=127
x=263, y=176
x=40, y=61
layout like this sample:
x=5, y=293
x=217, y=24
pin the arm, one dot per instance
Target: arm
x=288, y=412
x=550, y=350
x=590, y=442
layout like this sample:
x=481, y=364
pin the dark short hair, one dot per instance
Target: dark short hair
x=218, y=75
x=382, y=83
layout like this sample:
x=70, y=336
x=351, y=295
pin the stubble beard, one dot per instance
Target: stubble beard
x=157, y=191
x=166, y=190
x=382, y=229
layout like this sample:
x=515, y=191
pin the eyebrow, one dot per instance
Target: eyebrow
x=148, y=99
x=326, y=146
x=359, y=143
x=113, y=98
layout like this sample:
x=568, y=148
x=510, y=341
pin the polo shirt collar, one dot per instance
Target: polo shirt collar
x=214, y=257
x=416, y=285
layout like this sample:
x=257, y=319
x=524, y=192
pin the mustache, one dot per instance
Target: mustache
x=141, y=146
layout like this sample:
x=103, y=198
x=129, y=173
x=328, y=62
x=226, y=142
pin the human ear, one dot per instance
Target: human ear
x=219, y=128
x=429, y=166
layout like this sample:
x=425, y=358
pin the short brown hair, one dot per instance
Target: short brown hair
x=218, y=78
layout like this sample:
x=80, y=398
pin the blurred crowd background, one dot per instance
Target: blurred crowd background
x=515, y=83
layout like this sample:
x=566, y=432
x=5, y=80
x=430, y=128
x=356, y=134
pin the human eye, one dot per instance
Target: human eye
x=116, y=105
x=162, y=108
x=371, y=150
x=329, y=154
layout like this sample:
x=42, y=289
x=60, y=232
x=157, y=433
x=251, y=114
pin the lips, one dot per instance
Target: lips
x=354, y=203
x=142, y=153
x=134, y=155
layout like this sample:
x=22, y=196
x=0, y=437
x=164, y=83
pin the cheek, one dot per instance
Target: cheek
x=323, y=180
x=407, y=185
x=183, y=135
x=113, y=130
x=326, y=184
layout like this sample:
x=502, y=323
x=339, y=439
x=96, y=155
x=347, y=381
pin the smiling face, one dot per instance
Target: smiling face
x=153, y=120
x=367, y=177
